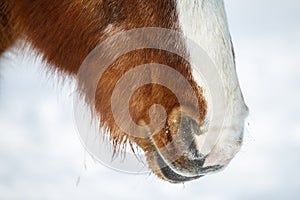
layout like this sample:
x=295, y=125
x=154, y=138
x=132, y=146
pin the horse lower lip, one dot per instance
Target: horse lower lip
x=175, y=176
x=169, y=174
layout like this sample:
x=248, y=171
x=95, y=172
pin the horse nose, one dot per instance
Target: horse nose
x=185, y=126
x=189, y=125
x=187, y=131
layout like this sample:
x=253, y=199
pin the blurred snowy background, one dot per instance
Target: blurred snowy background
x=41, y=156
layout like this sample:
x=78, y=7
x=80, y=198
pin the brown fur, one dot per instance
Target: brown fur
x=66, y=31
x=8, y=32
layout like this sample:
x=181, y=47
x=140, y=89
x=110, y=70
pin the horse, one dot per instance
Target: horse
x=65, y=32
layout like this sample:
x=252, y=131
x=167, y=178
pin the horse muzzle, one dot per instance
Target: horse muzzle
x=176, y=155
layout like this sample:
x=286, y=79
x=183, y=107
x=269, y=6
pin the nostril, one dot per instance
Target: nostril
x=204, y=127
x=195, y=128
x=186, y=121
x=189, y=125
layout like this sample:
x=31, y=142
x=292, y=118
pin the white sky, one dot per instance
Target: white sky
x=41, y=156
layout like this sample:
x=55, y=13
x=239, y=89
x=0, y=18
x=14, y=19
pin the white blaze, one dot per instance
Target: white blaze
x=205, y=22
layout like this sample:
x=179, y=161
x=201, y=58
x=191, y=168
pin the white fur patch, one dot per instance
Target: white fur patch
x=205, y=22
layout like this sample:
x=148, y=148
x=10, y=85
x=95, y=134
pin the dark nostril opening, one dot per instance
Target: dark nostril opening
x=188, y=129
x=187, y=132
x=190, y=126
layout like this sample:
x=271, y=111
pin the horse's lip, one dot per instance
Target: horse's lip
x=171, y=175
x=178, y=174
x=168, y=173
x=186, y=166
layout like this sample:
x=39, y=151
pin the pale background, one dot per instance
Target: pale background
x=41, y=156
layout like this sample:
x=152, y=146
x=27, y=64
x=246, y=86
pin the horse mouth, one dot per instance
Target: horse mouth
x=167, y=171
x=179, y=160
